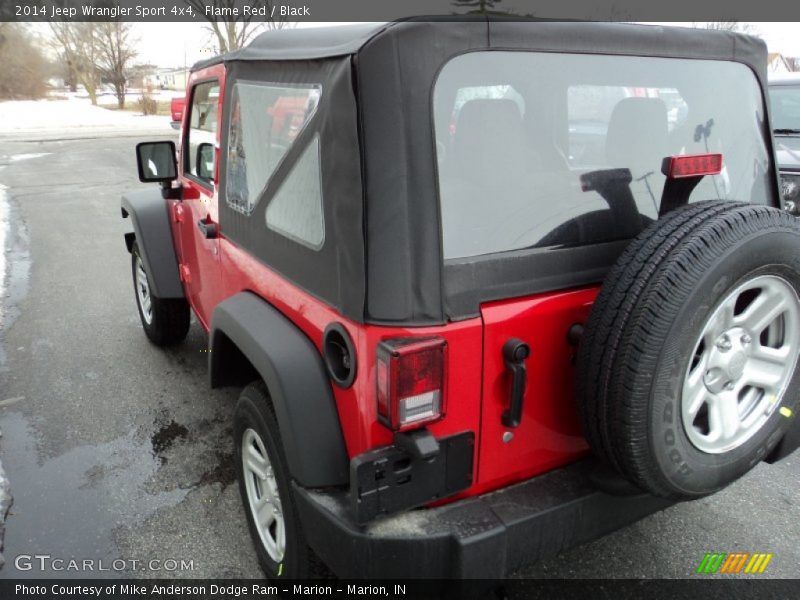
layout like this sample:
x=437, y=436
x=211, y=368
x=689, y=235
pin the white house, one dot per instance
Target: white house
x=776, y=63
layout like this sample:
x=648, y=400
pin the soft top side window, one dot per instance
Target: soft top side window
x=265, y=121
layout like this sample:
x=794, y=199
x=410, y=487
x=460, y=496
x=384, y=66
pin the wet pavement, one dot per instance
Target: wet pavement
x=118, y=451
x=115, y=450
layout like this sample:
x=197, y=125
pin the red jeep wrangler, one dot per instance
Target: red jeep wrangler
x=532, y=279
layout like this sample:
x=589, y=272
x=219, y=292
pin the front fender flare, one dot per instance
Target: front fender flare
x=150, y=216
x=293, y=371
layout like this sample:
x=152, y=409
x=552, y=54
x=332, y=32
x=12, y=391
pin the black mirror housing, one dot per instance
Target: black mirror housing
x=156, y=162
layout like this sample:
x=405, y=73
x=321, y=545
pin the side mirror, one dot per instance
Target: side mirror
x=205, y=161
x=156, y=162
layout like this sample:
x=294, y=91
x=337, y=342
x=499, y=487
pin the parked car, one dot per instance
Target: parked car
x=784, y=93
x=430, y=303
x=176, y=107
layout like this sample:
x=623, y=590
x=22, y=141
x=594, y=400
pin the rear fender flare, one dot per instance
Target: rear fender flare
x=292, y=368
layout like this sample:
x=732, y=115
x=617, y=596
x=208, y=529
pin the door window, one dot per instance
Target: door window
x=202, y=133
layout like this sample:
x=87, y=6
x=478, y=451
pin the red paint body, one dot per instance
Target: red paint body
x=477, y=383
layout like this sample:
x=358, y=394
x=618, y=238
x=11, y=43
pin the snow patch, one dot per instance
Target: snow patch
x=5, y=505
x=3, y=234
x=75, y=117
x=19, y=157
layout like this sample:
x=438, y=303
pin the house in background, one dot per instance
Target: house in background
x=777, y=63
x=139, y=75
x=167, y=79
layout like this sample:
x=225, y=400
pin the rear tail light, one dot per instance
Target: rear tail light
x=692, y=165
x=410, y=381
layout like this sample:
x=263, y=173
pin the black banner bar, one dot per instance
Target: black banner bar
x=385, y=10
x=732, y=588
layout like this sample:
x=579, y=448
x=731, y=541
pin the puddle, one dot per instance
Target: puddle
x=223, y=473
x=70, y=505
x=162, y=439
x=15, y=264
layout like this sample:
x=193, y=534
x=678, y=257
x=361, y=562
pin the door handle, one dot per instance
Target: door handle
x=209, y=230
x=514, y=354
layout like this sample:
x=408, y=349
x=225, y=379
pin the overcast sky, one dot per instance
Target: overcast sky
x=167, y=44
x=176, y=44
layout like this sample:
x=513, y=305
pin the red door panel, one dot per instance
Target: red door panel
x=549, y=434
x=200, y=264
x=199, y=251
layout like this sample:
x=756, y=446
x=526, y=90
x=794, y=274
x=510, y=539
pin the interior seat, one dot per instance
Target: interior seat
x=489, y=145
x=637, y=136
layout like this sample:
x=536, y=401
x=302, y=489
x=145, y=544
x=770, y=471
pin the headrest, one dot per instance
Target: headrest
x=637, y=134
x=489, y=139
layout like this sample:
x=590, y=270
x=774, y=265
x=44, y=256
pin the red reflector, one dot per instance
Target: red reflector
x=692, y=165
x=410, y=381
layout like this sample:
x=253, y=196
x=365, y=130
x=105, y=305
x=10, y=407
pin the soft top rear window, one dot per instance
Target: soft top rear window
x=516, y=130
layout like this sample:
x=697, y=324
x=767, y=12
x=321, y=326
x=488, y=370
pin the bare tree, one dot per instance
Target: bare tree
x=115, y=53
x=77, y=45
x=478, y=6
x=233, y=33
x=24, y=72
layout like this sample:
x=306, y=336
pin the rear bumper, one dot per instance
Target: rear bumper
x=484, y=537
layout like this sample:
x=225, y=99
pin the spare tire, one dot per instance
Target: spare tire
x=686, y=370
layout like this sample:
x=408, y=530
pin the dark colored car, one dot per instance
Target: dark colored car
x=784, y=92
x=532, y=279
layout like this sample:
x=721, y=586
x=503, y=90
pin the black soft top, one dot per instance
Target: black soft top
x=302, y=44
x=382, y=260
x=612, y=38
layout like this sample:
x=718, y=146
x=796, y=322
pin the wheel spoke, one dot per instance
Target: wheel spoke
x=695, y=392
x=764, y=373
x=729, y=421
x=256, y=463
x=265, y=512
x=697, y=402
x=767, y=307
x=720, y=322
x=280, y=537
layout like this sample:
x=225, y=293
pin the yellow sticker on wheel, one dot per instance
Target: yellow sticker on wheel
x=786, y=411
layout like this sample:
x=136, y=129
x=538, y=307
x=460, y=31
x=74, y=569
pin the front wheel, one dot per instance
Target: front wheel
x=265, y=486
x=165, y=320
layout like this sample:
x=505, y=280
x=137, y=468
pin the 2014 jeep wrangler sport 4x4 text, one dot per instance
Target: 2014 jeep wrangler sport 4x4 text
x=532, y=279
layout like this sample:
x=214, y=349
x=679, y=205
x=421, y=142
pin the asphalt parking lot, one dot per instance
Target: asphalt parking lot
x=118, y=450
